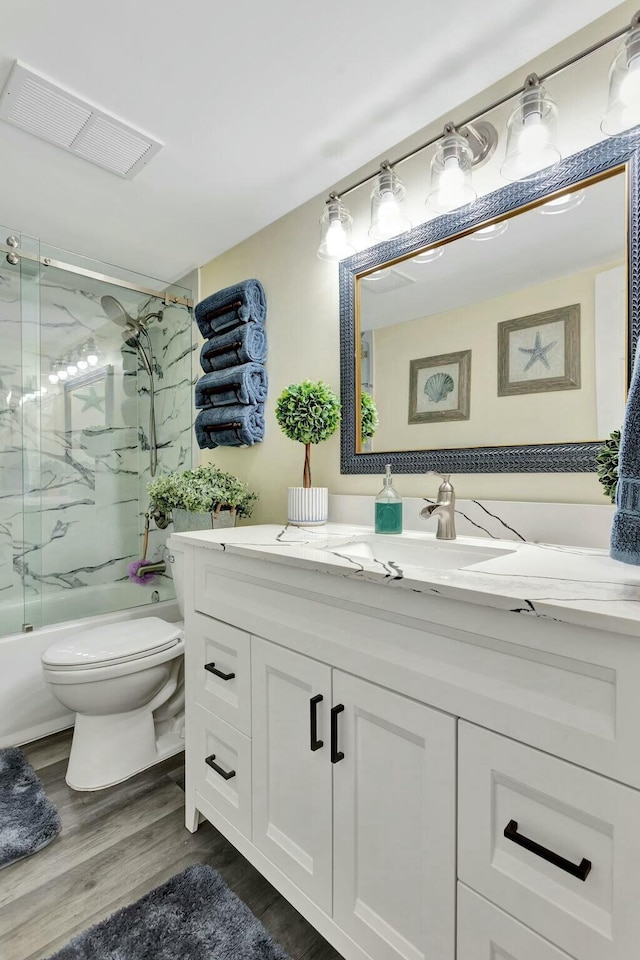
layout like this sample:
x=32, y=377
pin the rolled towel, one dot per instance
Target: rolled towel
x=625, y=533
x=235, y=426
x=230, y=307
x=246, y=383
x=245, y=344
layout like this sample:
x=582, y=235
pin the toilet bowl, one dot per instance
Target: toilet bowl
x=125, y=682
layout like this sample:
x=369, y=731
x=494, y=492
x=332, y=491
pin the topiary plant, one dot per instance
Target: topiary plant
x=369, y=419
x=607, y=460
x=205, y=489
x=308, y=412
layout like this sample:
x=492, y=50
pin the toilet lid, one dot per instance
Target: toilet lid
x=113, y=643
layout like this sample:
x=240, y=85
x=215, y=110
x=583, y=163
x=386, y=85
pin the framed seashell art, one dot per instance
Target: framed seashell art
x=440, y=387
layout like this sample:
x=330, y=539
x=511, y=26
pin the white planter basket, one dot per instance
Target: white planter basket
x=184, y=520
x=308, y=506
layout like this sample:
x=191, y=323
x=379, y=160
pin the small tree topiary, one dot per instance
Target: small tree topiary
x=369, y=419
x=607, y=461
x=308, y=412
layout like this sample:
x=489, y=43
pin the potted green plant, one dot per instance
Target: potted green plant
x=607, y=464
x=369, y=419
x=308, y=412
x=202, y=498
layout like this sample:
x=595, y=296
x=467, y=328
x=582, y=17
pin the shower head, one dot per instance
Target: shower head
x=116, y=312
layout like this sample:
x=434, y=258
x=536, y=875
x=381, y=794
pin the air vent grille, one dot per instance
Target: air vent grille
x=38, y=106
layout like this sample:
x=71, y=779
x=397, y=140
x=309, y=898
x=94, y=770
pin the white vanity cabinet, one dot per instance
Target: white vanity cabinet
x=423, y=779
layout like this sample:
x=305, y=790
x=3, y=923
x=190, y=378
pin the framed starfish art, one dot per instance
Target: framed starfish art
x=89, y=400
x=540, y=353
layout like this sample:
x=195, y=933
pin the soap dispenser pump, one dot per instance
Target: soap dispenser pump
x=388, y=509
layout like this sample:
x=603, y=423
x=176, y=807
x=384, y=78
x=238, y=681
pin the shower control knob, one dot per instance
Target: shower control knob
x=13, y=258
x=12, y=241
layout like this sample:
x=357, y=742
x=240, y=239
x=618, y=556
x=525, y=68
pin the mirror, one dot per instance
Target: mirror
x=505, y=343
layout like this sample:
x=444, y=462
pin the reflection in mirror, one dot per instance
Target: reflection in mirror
x=518, y=339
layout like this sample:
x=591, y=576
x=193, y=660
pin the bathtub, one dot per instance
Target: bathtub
x=27, y=710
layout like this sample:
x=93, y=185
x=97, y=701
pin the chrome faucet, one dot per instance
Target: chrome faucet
x=444, y=508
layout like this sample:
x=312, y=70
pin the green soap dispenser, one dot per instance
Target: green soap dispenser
x=388, y=507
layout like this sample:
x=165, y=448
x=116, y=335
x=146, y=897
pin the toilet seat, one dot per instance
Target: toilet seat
x=113, y=644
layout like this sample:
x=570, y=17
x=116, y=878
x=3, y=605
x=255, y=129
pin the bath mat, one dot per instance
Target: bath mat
x=28, y=819
x=193, y=916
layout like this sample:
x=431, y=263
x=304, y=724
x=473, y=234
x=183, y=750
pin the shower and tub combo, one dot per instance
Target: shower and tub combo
x=78, y=445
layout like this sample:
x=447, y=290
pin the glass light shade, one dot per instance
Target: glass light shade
x=623, y=108
x=82, y=364
x=335, y=227
x=568, y=201
x=451, y=182
x=72, y=369
x=531, y=136
x=62, y=373
x=428, y=256
x=91, y=356
x=388, y=218
x=491, y=232
x=53, y=378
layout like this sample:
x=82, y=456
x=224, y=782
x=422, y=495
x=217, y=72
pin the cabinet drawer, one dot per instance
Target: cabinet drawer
x=220, y=656
x=560, y=820
x=221, y=765
x=487, y=933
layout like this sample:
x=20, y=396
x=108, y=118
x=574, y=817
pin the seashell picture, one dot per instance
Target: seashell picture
x=439, y=388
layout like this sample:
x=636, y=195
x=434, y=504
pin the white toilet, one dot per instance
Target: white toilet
x=125, y=681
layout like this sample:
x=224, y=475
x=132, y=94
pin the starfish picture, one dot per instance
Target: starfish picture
x=92, y=399
x=537, y=352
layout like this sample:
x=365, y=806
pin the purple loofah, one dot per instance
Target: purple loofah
x=134, y=576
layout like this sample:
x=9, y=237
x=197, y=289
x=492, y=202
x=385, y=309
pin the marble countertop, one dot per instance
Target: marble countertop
x=575, y=585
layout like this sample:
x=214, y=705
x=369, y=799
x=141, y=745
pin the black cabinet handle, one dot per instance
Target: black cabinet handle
x=313, y=721
x=335, y=753
x=580, y=870
x=211, y=667
x=225, y=774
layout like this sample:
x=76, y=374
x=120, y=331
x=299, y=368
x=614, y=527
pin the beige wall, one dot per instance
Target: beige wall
x=554, y=417
x=302, y=294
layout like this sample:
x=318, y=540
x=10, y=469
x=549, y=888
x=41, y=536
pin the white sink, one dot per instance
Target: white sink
x=402, y=551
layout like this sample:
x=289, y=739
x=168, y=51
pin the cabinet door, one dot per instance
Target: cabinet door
x=394, y=823
x=292, y=802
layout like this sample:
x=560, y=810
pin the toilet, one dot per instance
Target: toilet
x=125, y=682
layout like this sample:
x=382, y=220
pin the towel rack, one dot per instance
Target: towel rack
x=225, y=308
x=219, y=350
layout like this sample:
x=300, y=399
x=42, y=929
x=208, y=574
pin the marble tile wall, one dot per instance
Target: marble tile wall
x=74, y=462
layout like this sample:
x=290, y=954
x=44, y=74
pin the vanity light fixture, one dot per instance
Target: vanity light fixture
x=531, y=134
x=72, y=369
x=82, y=362
x=92, y=356
x=53, y=376
x=388, y=218
x=531, y=142
x=61, y=370
x=623, y=108
x=428, y=256
x=568, y=201
x=491, y=232
x=335, y=227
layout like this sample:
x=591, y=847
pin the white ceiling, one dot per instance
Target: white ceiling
x=260, y=106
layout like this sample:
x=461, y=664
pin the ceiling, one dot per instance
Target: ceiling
x=260, y=107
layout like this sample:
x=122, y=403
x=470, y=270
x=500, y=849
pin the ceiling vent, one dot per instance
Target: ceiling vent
x=47, y=111
x=386, y=280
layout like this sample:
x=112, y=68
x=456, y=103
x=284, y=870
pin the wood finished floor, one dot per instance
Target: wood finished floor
x=115, y=846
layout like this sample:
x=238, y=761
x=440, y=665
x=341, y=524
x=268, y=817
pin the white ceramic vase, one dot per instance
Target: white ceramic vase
x=308, y=506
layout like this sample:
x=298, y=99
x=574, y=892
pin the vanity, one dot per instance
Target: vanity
x=429, y=748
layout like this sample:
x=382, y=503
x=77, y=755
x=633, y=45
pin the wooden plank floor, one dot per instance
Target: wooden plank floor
x=115, y=846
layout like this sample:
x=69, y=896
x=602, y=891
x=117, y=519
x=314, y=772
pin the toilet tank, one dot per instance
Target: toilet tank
x=176, y=565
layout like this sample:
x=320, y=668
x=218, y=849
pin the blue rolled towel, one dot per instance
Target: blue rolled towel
x=245, y=344
x=625, y=533
x=217, y=313
x=246, y=383
x=238, y=426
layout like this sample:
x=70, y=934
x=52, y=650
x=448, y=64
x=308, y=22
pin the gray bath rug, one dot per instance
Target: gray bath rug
x=28, y=819
x=193, y=916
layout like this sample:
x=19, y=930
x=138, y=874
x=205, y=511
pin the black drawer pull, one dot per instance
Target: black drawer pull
x=313, y=722
x=335, y=753
x=580, y=870
x=211, y=667
x=225, y=774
